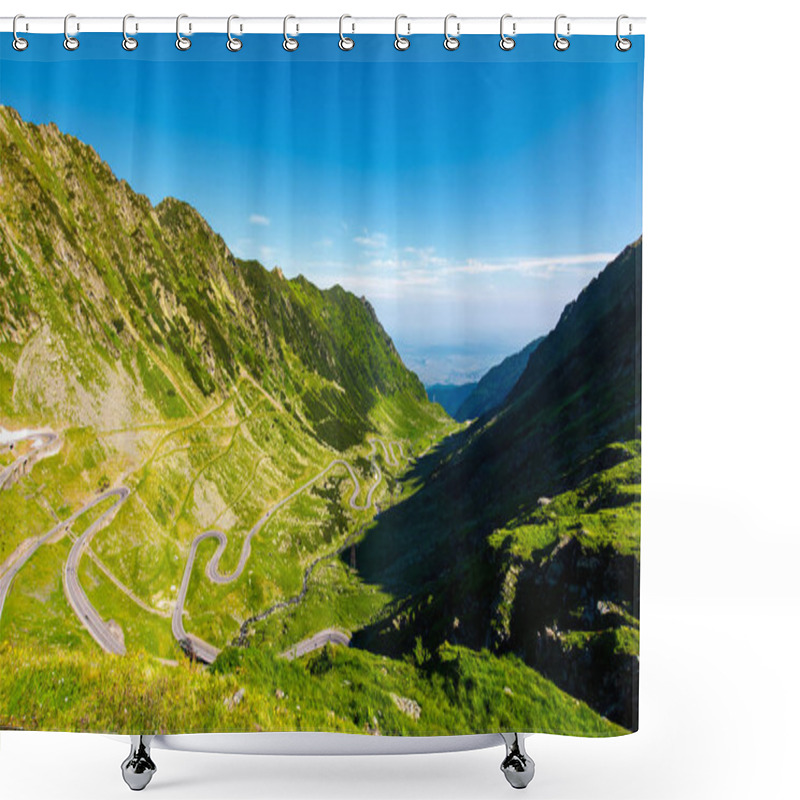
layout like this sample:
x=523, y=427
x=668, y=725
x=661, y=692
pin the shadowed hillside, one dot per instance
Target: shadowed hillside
x=493, y=388
x=524, y=534
x=450, y=396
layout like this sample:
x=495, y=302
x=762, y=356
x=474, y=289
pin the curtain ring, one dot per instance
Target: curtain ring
x=345, y=42
x=450, y=42
x=506, y=42
x=623, y=44
x=401, y=42
x=561, y=43
x=128, y=42
x=181, y=42
x=70, y=42
x=19, y=44
x=233, y=44
x=290, y=44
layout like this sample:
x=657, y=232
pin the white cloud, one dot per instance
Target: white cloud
x=425, y=256
x=384, y=286
x=407, y=261
x=259, y=219
x=533, y=267
x=372, y=241
x=390, y=272
x=266, y=253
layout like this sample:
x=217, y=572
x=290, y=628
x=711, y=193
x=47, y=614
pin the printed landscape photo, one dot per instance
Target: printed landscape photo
x=283, y=449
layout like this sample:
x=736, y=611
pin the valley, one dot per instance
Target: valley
x=227, y=483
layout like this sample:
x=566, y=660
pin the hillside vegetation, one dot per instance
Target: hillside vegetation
x=113, y=311
x=209, y=386
x=524, y=533
x=335, y=689
x=488, y=575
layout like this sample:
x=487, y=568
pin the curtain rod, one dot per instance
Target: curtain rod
x=253, y=25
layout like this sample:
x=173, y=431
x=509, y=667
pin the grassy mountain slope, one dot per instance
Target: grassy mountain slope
x=493, y=388
x=523, y=534
x=112, y=310
x=207, y=385
x=391, y=697
x=214, y=389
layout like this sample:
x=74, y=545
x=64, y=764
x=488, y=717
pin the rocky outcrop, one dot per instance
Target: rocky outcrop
x=573, y=619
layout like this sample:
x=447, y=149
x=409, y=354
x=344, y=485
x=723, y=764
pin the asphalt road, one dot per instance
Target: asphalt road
x=41, y=439
x=33, y=545
x=77, y=598
x=203, y=651
x=317, y=641
x=206, y=652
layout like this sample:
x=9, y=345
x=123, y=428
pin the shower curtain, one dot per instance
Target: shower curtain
x=320, y=384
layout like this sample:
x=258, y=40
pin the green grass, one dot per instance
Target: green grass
x=57, y=485
x=336, y=598
x=23, y=516
x=143, y=631
x=36, y=612
x=159, y=387
x=223, y=469
x=336, y=689
x=616, y=641
x=603, y=511
x=314, y=525
x=229, y=386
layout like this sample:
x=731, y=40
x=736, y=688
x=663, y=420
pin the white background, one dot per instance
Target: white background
x=720, y=598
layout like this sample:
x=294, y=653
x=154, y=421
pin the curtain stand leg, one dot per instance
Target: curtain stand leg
x=517, y=766
x=138, y=768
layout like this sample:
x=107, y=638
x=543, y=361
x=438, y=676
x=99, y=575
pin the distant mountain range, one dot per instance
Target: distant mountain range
x=450, y=397
x=472, y=400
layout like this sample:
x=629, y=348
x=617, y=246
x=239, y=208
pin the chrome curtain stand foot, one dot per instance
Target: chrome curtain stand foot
x=517, y=766
x=138, y=768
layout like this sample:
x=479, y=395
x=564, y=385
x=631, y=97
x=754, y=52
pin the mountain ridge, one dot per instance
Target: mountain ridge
x=493, y=388
x=450, y=396
x=109, y=302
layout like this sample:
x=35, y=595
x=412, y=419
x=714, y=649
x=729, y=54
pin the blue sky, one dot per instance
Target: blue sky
x=468, y=195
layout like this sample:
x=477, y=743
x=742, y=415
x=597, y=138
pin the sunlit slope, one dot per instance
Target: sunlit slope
x=207, y=385
x=335, y=689
x=114, y=311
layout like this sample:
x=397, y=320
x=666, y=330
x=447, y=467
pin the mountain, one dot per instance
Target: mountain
x=449, y=396
x=223, y=402
x=208, y=391
x=113, y=311
x=524, y=535
x=495, y=385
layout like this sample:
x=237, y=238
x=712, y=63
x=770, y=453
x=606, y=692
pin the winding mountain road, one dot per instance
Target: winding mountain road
x=89, y=617
x=28, y=548
x=44, y=444
x=206, y=652
x=77, y=598
x=315, y=642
